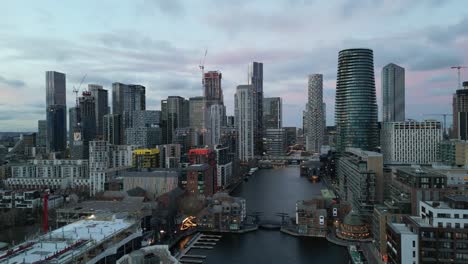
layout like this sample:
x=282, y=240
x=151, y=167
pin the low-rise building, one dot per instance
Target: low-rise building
x=312, y=217
x=200, y=179
x=223, y=213
x=154, y=182
x=439, y=233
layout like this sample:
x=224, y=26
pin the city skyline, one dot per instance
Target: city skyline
x=166, y=61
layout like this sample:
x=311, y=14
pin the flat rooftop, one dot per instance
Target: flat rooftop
x=65, y=243
x=400, y=228
x=128, y=204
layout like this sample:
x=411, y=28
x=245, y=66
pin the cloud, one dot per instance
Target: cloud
x=12, y=83
x=167, y=7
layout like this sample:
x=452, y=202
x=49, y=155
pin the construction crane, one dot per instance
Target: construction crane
x=445, y=120
x=77, y=90
x=459, y=73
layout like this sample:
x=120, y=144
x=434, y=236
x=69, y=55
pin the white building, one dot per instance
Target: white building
x=223, y=166
x=106, y=161
x=216, y=114
x=315, y=114
x=403, y=244
x=52, y=174
x=410, y=142
x=244, y=112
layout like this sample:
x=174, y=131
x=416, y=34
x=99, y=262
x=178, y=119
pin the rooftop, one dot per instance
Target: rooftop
x=400, y=228
x=68, y=242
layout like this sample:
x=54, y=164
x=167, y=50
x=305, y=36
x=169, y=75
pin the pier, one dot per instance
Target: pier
x=199, y=241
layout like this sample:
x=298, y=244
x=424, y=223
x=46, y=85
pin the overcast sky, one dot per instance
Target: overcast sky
x=159, y=43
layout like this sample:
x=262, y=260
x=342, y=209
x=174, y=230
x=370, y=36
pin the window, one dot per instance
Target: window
x=414, y=254
x=414, y=243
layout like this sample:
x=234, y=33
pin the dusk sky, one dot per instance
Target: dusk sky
x=159, y=44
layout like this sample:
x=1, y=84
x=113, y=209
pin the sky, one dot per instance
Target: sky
x=159, y=44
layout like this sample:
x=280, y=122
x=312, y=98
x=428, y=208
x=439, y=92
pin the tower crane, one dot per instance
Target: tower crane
x=458, y=68
x=445, y=120
x=77, y=90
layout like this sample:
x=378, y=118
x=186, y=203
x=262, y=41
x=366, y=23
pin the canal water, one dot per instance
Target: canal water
x=274, y=191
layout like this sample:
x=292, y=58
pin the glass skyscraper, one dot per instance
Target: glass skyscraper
x=355, y=105
x=393, y=93
x=56, y=140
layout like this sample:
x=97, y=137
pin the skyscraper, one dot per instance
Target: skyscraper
x=256, y=80
x=174, y=114
x=101, y=99
x=113, y=129
x=355, y=104
x=127, y=97
x=212, y=84
x=217, y=113
x=196, y=109
x=460, y=113
x=41, y=133
x=272, y=113
x=393, y=93
x=314, y=115
x=84, y=129
x=244, y=112
x=56, y=111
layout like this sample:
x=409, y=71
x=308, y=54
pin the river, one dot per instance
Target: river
x=274, y=191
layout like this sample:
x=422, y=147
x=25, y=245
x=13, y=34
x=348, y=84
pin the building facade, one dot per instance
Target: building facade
x=360, y=177
x=272, y=113
x=355, y=104
x=128, y=97
x=460, y=113
x=56, y=111
x=84, y=128
x=315, y=114
x=113, y=129
x=275, y=142
x=174, y=114
x=256, y=81
x=453, y=153
x=411, y=142
x=393, y=93
x=101, y=99
x=245, y=117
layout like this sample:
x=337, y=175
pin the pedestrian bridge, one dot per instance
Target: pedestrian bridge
x=269, y=224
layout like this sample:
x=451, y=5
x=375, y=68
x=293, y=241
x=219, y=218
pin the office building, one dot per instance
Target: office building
x=393, y=93
x=360, y=176
x=141, y=118
x=196, y=112
x=174, y=114
x=274, y=142
x=272, y=113
x=72, y=123
x=144, y=137
x=146, y=158
x=41, y=133
x=84, y=128
x=315, y=114
x=453, y=153
x=460, y=113
x=291, y=135
x=355, y=104
x=128, y=97
x=113, y=129
x=256, y=81
x=244, y=111
x=410, y=142
x=56, y=111
x=101, y=99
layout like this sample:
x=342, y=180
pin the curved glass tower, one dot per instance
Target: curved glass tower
x=355, y=104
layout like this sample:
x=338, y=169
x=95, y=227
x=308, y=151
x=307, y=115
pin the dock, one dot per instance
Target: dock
x=199, y=241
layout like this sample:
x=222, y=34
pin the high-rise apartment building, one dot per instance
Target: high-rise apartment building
x=128, y=97
x=213, y=92
x=256, y=81
x=216, y=116
x=56, y=111
x=272, y=113
x=174, y=114
x=315, y=114
x=393, y=93
x=410, y=142
x=355, y=104
x=244, y=111
x=101, y=99
x=460, y=113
